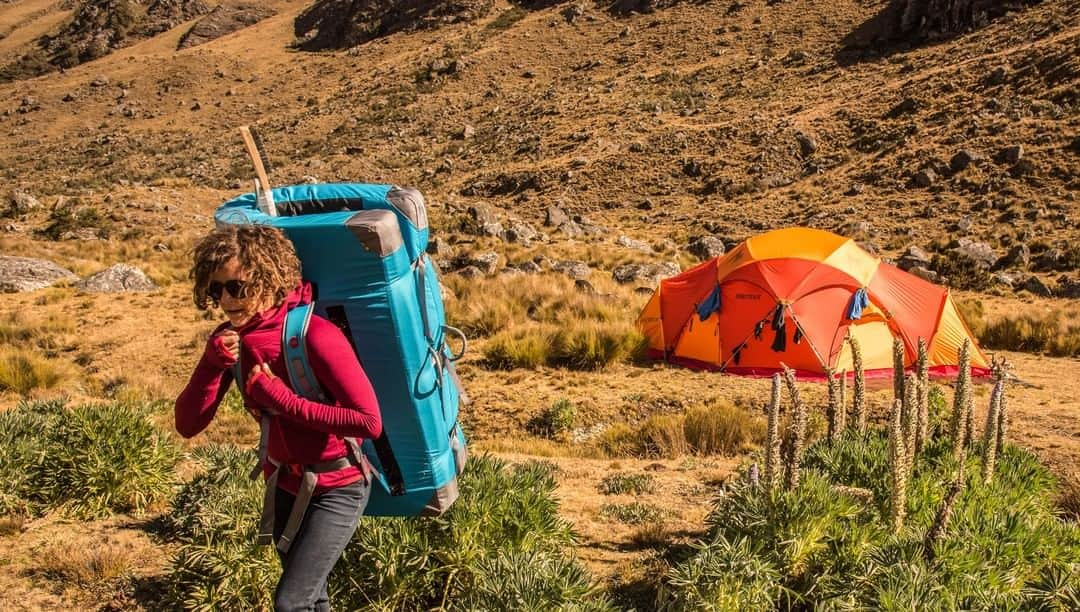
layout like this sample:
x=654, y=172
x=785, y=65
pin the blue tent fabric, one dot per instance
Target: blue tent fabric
x=710, y=305
x=859, y=301
x=373, y=280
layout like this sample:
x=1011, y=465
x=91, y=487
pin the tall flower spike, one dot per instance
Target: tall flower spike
x=772, y=437
x=834, y=404
x=922, y=397
x=1003, y=417
x=908, y=418
x=958, y=422
x=990, y=435
x=898, y=465
x=798, y=429
x=843, y=399
x=858, y=405
x=941, y=520
x=898, y=369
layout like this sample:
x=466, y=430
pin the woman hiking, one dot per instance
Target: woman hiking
x=318, y=481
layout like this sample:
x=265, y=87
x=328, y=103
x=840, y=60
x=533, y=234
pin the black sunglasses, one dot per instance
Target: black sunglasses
x=236, y=288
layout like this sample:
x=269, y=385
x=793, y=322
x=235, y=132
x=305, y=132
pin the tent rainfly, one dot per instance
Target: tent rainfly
x=792, y=296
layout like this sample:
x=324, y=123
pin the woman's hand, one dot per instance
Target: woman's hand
x=256, y=390
x=223, y=349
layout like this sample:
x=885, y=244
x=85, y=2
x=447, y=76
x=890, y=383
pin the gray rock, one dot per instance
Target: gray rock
x=488, y=262
x=555, y=216
x=470, y=272
x=706, y=247
x=1067, y=287
x=440, y=248
x=650, y=274
x=1004, y=279
x=1050, y=259
x=1023, y=167
x=116, y=279
x=962, y=160
x=520, y=232
x=808, y=145
x=925, y=274
x=1035, y=286
x=529, y=267
x=1019, y=256
x=912, y=257
x=18, y=274
x=630, y=243
x=1011, y=155
x=570, y=229
x=577, y=270
x=983, y=254
x=22, y=202
x=925, y=178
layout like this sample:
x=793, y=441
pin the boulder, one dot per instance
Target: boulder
x=555, y=217
x=630, y=243
x=650, y=274
x=981, y=253
x=706, y=247
x=577, y=270
x=1034, y=285
x=22, y=203
x=116, y=279
x=18, y=274
x=1067, y=287
x=913, y=256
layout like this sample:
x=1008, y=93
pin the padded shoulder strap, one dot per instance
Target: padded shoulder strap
x=294, y=348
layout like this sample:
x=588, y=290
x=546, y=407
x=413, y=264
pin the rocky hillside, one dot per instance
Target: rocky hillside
x=941, y=134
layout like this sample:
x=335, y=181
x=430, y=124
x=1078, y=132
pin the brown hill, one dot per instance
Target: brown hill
x=649, y=123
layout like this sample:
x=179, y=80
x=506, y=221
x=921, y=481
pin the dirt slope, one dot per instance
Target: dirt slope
x=716, y=118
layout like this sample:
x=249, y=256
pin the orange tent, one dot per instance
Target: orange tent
x=792, y=296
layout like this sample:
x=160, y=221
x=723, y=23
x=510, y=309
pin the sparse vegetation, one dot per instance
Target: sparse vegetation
x=633, y=513
x=502, y=541
x=720, y=429
x=627, y=484
x=91, y=459
x=556, y=421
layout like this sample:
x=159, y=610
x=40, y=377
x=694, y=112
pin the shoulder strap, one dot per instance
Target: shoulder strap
x=294, y=349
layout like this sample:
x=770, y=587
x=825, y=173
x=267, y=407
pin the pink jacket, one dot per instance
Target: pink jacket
x=302, y=431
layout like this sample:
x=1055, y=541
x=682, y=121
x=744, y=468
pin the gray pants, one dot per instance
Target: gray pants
x=328, y=526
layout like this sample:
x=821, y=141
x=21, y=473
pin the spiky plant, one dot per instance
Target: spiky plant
x=772, y=437
x=958, y=425
x=858, y=405
x=941, y=520
x=843, y=400
x=990, y=433
x=834, y=409
x=798, y=430
x=1003, y=418
x=898, y=368
x=922, y=396
x=898, y=467
x=909, y=417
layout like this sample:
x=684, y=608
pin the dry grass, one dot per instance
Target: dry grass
x=578, y=345
x=87, y=566
x=23, y=371
x=722, y=429
x=1055, y=333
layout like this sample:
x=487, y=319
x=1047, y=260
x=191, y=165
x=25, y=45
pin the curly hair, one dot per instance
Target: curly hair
x=267, y=257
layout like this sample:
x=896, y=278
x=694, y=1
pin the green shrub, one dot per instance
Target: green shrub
x=65, y=219
x=92, y=459
x=501, y=541
x=634, y=513
x=556, y=421
x=723, y=576
x=1005, y=547
x=624, y=484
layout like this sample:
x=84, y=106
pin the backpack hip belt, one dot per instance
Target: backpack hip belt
x=309, y=479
